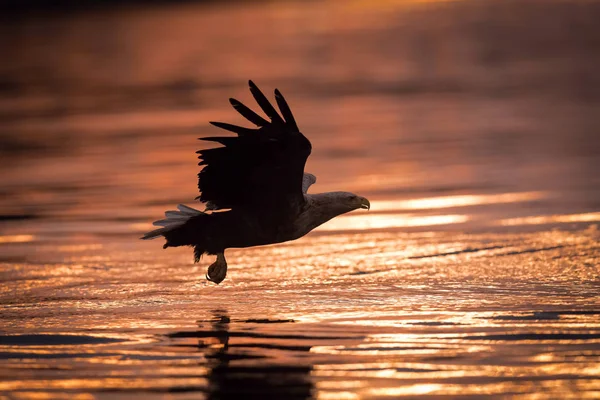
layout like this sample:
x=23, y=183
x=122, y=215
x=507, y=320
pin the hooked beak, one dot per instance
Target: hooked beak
x=364, y=203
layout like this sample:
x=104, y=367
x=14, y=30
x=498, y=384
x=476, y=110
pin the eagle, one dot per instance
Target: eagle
x=254, y=189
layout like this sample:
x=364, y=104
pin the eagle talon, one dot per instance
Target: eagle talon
x=218, y=270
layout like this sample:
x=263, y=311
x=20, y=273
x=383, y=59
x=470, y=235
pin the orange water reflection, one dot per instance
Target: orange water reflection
x=456, y=201
x=551, y=219
x=353, y=315
x=445, y=122
x=381, y=221
x=16, y=238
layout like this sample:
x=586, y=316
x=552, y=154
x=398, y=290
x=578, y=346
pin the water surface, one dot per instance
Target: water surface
x=474, y=274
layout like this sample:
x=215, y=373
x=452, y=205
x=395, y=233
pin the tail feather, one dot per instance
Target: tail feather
x=174, y=216
x=207, y=232
x=183, y=209
x=173, y=220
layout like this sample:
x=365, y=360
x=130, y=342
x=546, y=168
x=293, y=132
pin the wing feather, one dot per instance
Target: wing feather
x=264, y=104
x=260, y=168
x=240, y=130
x=285, y=111
x=248, y=113
x=224, y=140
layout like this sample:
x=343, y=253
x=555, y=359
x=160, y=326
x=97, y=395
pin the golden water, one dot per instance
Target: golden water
x=474, y=274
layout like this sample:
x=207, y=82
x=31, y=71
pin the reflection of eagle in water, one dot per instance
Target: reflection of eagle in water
x=254, y=188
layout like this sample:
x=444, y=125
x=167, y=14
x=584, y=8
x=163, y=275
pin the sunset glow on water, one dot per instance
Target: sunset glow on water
x=473, y=275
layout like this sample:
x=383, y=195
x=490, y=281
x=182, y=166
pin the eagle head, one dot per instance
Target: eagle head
x=332, y=204
x=321, y=207
x=351, y=201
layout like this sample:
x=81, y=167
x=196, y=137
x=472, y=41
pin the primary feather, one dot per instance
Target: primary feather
x=261, y=167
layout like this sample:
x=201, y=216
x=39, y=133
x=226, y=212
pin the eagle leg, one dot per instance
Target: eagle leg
x=218, y=270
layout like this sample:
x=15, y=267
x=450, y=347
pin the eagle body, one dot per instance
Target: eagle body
x=212, y=233
x=254, y=189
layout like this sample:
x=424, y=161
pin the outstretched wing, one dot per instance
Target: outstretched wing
x=261, y=167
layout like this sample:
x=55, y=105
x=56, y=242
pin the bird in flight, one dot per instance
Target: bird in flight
x=254, y=189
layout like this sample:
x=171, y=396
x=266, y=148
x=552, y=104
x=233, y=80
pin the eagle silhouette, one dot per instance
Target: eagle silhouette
x=254, y=189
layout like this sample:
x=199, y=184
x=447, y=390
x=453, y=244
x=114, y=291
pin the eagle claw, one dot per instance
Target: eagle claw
x=218, y=270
